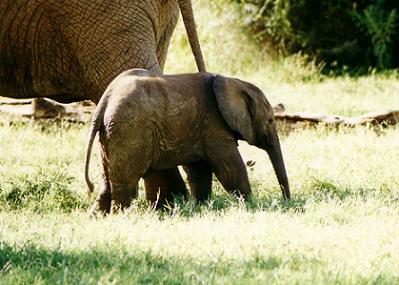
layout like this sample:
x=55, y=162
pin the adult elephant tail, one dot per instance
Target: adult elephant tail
x=186, y=9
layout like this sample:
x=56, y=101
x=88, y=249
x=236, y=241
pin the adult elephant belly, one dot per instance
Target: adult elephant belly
x=45, y=68
x=71, y=50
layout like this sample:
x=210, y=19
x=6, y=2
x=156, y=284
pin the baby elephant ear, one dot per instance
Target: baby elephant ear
x=233, y=101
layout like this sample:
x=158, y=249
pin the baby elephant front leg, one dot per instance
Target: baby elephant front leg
x=230, y=170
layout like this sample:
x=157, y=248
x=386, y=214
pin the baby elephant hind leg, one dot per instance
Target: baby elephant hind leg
x=199, y=176
x=102, y=205
x=123, y=192
x=162, y=185
x=125, y=170
x=230, y=170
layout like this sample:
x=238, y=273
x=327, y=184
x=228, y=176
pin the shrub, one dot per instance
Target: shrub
x=338, y=32
x=380, y=26
x=39, y=194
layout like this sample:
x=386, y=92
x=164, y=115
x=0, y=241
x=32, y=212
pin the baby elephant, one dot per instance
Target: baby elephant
x=149, y=122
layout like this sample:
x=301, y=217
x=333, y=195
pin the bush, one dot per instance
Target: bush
x=380, y=26
x=338, y=32
x=40, y=194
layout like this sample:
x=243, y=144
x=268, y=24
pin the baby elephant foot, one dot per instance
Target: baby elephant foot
x=122, y=200
x=245, y=197
x=101, y=207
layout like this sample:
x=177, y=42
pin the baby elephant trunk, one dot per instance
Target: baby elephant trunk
x=276, y=157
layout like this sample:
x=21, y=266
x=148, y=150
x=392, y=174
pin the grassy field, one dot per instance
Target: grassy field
x=341, y=226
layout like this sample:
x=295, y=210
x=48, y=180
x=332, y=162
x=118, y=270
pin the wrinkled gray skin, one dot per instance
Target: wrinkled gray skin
x=148, y=122
x=71, y=50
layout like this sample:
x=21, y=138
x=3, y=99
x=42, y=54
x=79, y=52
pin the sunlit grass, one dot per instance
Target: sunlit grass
x=341, y=226
x=354, y=159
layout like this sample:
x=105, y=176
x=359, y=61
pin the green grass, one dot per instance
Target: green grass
x=234, y=248
x=341, y=226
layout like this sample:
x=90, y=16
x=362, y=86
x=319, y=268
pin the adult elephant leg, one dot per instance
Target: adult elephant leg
x=162, y=185
x=199, y=176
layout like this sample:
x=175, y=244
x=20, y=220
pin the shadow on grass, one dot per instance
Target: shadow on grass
x=29, y=264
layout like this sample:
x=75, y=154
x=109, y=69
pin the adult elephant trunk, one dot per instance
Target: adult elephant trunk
x=276, y=157
x=189, y=22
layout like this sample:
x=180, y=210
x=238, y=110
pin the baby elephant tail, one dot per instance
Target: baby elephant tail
x=93, y=131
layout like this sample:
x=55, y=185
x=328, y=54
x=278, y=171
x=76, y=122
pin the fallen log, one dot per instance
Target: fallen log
x=387, y=117
x=42, y=108
x=16, y=102
x=81, y=111
x=297, y=120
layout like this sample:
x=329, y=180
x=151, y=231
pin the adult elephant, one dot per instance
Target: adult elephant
x=70, y=50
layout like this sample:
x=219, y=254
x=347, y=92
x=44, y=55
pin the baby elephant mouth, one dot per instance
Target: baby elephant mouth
x=250, y=163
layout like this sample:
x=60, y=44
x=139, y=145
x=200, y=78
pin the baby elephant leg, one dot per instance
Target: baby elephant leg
x=162, y=185
x=230, y=169
x=102, y=205
x=123, y=192
x=199, y=176
x=114, y=196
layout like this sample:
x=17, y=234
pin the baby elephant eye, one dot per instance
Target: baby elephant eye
x=270, y=121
